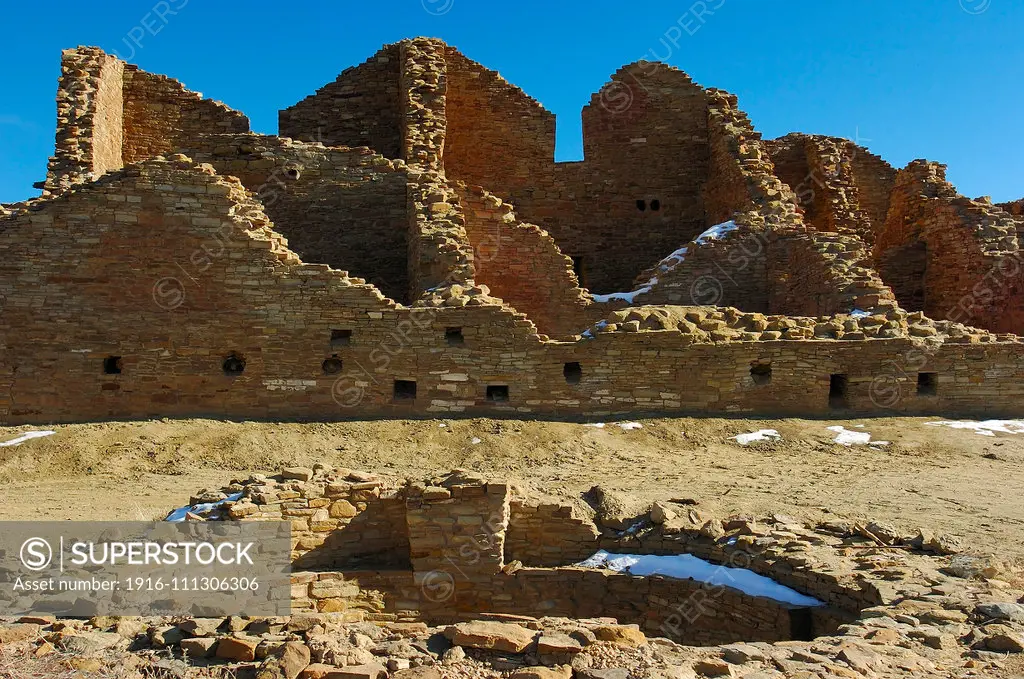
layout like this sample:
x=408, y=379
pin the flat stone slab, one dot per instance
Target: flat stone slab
x=497, y=636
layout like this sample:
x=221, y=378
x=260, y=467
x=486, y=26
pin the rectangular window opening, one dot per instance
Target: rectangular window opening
x=927, y=384
x=573, y=373
x=405, y=390
x=112, y=365
x=837, y=388
x=454, y=337
x=341, y=338
x=497, y=393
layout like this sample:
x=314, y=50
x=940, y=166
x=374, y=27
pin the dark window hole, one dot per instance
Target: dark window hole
x=454, y=337
x=577, y=268
x=292, y=172
x=927, y=384
x=655, y=205
x=801, y=624
x=573, y=373
x=498, y=393
x=761, y=373
x=112, y=365
x=234, y=365
x=641, y=205
x=405, y=390
x=837, y=387
x=332, y=365
x=341, y=338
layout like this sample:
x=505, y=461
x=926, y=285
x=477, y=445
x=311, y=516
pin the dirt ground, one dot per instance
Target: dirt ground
x=949, y=481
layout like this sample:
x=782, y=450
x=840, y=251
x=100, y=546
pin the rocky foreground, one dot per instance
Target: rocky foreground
x=933, y=640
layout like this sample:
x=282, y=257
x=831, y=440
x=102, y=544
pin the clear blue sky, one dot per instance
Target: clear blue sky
x=938, y=79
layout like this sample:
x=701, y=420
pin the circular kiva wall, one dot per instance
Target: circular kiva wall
x=460, y=547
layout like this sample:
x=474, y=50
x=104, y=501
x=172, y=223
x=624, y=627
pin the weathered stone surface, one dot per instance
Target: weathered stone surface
x=199, y=647
x=237, y=648
x=18, y=632
x=624, y=635
x=498, y=636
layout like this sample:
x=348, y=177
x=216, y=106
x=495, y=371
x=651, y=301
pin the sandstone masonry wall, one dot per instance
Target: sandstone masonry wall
x=956, y=258
x=162, y=117
x=89, y=118
x=346, y=208
x=521, y=264
x=362, y=107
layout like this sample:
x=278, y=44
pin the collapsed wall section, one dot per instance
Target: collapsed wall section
x=90, y=111
x=162, y=117
x=110, y=113
x=362, y=107
x=949, y=256
x=347, y=208
x=521, y=264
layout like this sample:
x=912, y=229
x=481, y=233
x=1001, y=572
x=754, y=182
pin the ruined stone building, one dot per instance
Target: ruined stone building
x=408, y=245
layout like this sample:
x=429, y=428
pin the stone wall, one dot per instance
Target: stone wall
x=521, y=264
x=346, y=208
x=362, y=107
x=161, y=116
x=89, y=118
x=952, y=257
x=340, y=521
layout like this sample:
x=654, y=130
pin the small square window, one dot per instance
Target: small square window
x=497, y=393
x=341, y=338
x=927, y=384
x=573, y=373
x=112, y=365
x=837, y=387
x=405, y=390
x=454, y=337
x=761, y=373
x=641, y=205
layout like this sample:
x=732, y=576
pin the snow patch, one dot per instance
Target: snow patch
x=859, y=313
x=596, y=425
x=475, y=441
x=984, y=427
x=759, y=435
x=716, y=232
x=27, y=436
x=846, y=437
x=629, y=426
x=179, y=514
x=687, y=566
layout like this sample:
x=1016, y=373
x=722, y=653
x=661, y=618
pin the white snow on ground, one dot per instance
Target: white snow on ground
x=600, y=326
x=179, y=514
x=627, y=296
x=860, y=313
x=27, y=436
x=845, y=437
x=596, y=425
x=984, y=428
x=475, y=441
x=629, y=426
x=759, y=435
x=688, y=566
x=716, y=232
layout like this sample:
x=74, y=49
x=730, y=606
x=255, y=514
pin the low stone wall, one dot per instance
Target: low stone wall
x=453, y=548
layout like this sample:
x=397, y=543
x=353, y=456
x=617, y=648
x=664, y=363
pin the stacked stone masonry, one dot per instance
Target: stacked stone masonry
x=411, y=247
x=478, y=546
